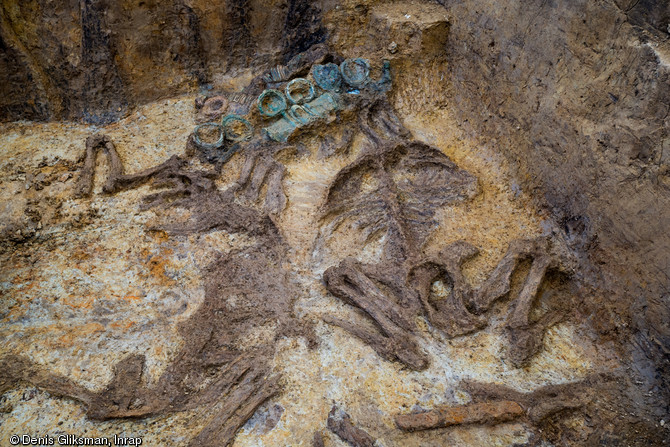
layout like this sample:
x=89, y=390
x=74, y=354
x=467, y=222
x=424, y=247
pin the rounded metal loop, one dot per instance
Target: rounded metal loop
x=302, y=114
x=202, y=144
x=231, y=133
x=297, y=85
x=271, y=103
x=356, y=72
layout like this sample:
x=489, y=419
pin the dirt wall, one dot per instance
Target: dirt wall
x=96, y=59
x=577, y=96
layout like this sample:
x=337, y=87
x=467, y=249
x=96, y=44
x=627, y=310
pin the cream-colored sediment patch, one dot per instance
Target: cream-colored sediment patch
x=100, y=293
x=501, y=213
x=146, y=137
x=96, y=285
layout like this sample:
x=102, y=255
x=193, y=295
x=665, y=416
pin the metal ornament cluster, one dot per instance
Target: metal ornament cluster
x=301, y=102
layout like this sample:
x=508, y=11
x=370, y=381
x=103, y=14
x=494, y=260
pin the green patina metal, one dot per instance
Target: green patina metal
x=300, y=90
x=271, y=103
x=281, y=129
x=204, y=145
x=301, y=115
x=323, y=105
x=231, y=125
x=384, y=83
x=327, y=77
x=301, y=106
x=229, y=129
x=302, y=102
x=356, y=72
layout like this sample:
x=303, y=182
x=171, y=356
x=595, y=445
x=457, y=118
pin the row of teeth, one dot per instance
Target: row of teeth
x=280, y=73
x=277, y=74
